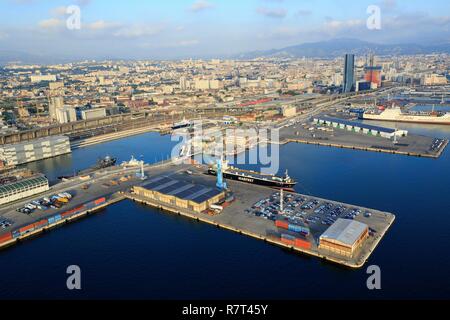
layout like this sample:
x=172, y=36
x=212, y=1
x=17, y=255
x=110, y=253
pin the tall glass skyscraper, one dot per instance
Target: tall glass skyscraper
x=349, y=73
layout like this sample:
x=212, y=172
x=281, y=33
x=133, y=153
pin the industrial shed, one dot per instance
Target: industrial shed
x=23, y=189
x=180, y=194
x=358, y=127
x=344, y=237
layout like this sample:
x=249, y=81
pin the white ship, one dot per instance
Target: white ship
x=133, y=163
x=397, y=115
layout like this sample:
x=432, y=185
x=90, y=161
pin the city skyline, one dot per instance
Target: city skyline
x=141, y=30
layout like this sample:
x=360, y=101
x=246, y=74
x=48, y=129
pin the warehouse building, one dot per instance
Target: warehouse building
x=35, y=150
x=358, y=127
x=344, y=237
x=23, y=189
x=183, y=195
x=93, y=113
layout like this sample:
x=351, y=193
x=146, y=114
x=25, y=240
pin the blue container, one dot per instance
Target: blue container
x=15, y=234
x=57, y=218
x=51, y=220
x=298, y=229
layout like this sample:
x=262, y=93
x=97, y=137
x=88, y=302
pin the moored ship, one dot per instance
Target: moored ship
x=102, y=163
x=181, y=125
x=254, y=177
x=397, y=115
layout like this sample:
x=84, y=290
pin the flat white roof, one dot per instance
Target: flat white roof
x=345, y=231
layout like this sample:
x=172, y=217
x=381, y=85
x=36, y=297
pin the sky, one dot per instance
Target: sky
x=140, y=29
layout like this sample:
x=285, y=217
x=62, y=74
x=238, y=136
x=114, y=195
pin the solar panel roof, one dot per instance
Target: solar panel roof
x=182, y=189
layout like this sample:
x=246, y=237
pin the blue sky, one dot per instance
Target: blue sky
x=183, y=28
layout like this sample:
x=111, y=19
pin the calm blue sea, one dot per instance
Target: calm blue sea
x=130, y=251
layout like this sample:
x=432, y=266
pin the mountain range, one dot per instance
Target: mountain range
x=324, y=49
x=338, y=47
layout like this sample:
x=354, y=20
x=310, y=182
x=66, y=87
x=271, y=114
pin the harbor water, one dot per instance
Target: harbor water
x=132, y=251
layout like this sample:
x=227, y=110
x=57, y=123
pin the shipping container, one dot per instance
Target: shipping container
x=282, y=224
x=299, y=229
x=300, y=243
x=100, y=201
x=51, y=220
x=26, y=229
x=288, y=242
x=16, y=233
x=6, y=237
x=72, y=212
x=57, y=218
x=40, y=224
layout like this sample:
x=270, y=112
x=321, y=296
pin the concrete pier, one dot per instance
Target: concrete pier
x=233, y=218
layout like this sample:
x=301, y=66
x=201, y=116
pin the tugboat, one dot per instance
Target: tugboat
x=254, y=177
x=106, y=162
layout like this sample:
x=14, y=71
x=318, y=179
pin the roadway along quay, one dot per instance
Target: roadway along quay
x=340, y=233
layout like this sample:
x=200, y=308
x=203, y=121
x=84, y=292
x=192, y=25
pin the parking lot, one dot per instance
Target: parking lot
x=313, y=213
x=53, y=202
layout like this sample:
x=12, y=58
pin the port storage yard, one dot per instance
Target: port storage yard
x=240, y=216
x=411, y=145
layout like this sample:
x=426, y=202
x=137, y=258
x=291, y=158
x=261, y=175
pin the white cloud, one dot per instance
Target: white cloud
x=51, y=23
x=137, y=31
x=272, y=12
x=337, y=25
x=201, y=5
x=102, y=25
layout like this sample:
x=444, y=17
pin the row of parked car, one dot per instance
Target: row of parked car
x=304, y=211
x=437, y=144
x=53, y=202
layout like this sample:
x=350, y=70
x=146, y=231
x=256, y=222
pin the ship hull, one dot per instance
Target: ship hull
x=254, y=180
x=408, y=119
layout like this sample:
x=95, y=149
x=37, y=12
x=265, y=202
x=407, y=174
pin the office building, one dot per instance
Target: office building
x=349, y=73
x=93, y=113
x=55, y=103
x=66, y=114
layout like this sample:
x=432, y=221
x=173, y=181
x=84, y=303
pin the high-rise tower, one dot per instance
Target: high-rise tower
x=349, y=73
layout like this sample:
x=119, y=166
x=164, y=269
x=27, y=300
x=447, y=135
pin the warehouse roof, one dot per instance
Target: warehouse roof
x=357, y=124
x=345, y=231
x=182, y=189
x=22, y=184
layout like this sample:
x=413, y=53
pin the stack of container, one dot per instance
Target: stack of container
x=293, y=235
x=282, y=224
x=5, y=238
